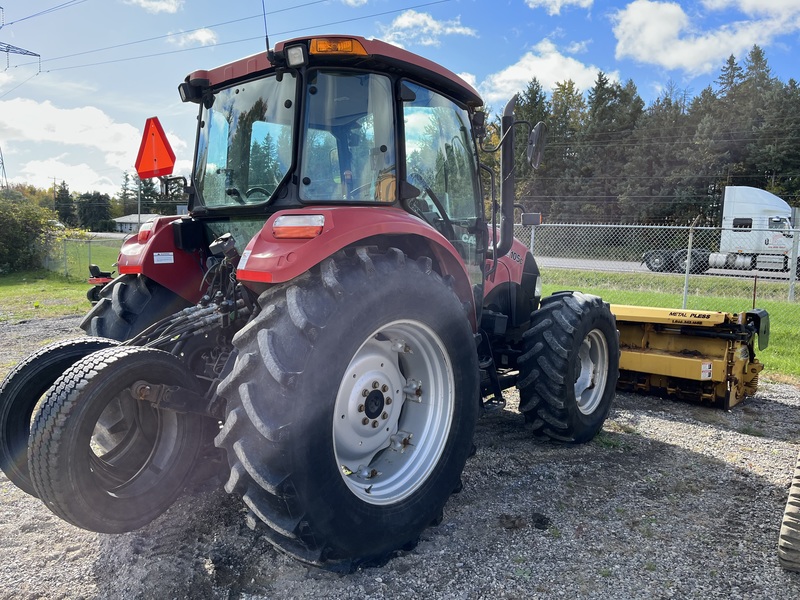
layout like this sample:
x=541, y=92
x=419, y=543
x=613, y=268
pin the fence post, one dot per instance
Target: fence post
x=688, y=261
x=89, y=251
x=793, y=256
x=66, y=269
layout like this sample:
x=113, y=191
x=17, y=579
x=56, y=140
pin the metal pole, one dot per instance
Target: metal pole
x=793, y=256
x=139, y=207
x=66, y=269
x=688, y=261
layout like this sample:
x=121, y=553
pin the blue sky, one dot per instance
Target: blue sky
x=107, y=65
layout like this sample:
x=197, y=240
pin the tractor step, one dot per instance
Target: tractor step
x=696, y=355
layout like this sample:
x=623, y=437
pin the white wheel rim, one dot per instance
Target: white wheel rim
x=393, y=412
x=592, y=376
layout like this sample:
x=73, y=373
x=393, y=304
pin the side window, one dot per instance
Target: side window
x=741, y=223
x=349, y=143
x=439, y=154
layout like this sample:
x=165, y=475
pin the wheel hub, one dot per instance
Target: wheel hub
x=373, y=407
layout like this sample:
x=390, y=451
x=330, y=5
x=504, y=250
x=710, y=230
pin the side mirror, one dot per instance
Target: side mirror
x=537, y=140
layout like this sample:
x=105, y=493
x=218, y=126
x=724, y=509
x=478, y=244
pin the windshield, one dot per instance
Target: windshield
x=245, y=144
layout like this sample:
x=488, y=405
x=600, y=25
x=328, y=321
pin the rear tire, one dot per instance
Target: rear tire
x=22, y=388
x=122, y=488
x=789, y=540
x=129, y=305
x=351, y=408
x=569, y=369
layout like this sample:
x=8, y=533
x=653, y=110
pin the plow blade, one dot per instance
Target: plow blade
x=695, y=355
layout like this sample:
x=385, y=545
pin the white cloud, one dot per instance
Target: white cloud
x=75, y=134
x=355, y=3
x=203, y=37
x=80, y=177
x=422, y=29
x=661, y=33
x=158, y=6
x=578, y=47
x=548, y=65
x=554, y=6
x=783, y=8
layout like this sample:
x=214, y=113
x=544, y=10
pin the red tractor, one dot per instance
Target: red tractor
x=324, y=328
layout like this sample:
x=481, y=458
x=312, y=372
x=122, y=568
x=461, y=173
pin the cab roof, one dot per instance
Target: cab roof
x=380, y=57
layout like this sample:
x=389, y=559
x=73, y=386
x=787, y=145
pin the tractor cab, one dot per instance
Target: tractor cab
x=324, y=122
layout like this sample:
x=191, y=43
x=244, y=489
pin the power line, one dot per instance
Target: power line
x=242, y=40
x=46, y=11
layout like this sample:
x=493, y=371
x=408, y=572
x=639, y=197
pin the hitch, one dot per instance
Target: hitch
x=177, y=399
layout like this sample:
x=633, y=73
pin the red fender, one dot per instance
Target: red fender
x=153, y=253
x=267, y=259
x=509, y=267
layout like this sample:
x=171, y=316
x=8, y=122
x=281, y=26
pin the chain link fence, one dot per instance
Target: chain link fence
x=670, y=267
x=72, y=257
x=703, y=264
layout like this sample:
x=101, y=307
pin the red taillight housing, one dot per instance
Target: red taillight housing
x=298, y=227
x=145, y=231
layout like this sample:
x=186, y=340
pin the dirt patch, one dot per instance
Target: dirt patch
x=671, y=500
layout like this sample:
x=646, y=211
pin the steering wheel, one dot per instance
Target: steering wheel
x=416, y=178
x=258, y=190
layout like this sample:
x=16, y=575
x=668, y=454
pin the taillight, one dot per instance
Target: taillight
x=299, y=227
x=145, y=231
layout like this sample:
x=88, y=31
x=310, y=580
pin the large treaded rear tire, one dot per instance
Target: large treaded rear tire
x=789, y=539
x=569, y=369
x=129, y=305
x=367, y=351
x=127, y=486
x=22, y=388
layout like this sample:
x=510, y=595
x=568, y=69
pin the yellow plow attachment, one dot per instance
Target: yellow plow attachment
x=703, y=356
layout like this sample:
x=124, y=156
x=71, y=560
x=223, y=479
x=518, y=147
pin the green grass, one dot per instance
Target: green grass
x=79, y=254
x=41, y=294
x=726, y=294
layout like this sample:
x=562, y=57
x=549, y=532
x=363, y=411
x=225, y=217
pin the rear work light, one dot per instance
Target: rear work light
x=298, y=227
x=337, y=46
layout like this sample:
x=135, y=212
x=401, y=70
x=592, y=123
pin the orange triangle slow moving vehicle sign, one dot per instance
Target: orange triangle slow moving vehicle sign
x=155, y=157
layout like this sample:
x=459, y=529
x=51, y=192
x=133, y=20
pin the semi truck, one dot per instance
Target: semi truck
x=757, y=233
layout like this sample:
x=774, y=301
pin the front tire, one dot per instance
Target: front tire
x=113, y=481
x=21, y=390
x=351, y=408
x=569, y=368
x=789, y=540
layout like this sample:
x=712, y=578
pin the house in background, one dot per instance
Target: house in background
x=130, y=223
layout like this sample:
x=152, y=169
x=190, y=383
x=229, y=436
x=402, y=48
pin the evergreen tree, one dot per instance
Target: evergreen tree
x=65, y=207
x=94, y=211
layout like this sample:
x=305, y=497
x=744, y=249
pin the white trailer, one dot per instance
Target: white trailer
x=757, y=233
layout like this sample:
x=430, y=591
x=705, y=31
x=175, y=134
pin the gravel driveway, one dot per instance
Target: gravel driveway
x=672, y=500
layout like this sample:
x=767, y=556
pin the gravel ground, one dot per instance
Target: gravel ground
x=672, y=500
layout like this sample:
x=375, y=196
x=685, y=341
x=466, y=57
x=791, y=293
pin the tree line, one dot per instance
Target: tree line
x=610, y=158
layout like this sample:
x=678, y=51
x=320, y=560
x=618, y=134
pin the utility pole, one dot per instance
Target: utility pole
x=3, y=178
x=9, y=49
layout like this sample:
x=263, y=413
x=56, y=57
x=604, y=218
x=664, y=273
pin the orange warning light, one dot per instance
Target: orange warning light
x=155, y=157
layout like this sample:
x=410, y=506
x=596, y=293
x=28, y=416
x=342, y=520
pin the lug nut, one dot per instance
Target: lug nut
x=385, y=416
x=375, y=424
x=388, y=401
x=365, y=421
x=365, y=392
x=360, y=408
x=375, y=385
x=384, y=388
